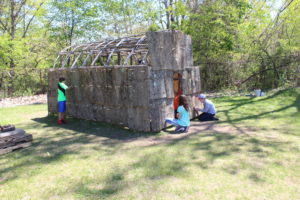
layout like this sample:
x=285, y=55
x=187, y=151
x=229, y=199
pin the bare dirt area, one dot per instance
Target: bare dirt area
x=26, y=100
x=196, y=127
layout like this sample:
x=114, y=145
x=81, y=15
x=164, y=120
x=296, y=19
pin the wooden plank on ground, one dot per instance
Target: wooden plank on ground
x=7, y=128
x=10, y=133
x=18, y=146
x=14, y=139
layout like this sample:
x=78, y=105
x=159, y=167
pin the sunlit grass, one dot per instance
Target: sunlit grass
x=279, y=110
x=89, y=160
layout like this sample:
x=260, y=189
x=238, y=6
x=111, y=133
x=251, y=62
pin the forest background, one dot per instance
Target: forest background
x=238, y=44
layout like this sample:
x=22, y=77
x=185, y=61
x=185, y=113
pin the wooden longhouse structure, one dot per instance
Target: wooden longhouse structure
x=129, y=81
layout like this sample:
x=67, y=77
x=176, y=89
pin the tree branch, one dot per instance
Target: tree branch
x=31, y=19
x=289, y=59
x=19, y=10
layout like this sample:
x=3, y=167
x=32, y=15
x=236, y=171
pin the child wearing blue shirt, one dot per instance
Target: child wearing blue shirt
x=182, y=122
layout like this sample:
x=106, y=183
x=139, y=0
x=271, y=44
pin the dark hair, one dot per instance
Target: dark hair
x=184, y=102
x=61, y=79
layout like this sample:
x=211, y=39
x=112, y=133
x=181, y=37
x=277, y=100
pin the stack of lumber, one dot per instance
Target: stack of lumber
x=12, y=139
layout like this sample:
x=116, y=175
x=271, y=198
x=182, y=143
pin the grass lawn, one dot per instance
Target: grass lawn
x=255, y=155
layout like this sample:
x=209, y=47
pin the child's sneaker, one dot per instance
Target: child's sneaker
x=180, y=129
x=186, y=129
x=59, y=121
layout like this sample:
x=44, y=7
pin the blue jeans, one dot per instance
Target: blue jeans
x=172, y=121
x=207, y=117
x=179, y=128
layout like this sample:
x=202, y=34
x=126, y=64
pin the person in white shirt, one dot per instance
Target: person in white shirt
x=208, y=111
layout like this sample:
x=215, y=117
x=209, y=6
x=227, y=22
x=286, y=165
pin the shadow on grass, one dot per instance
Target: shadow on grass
x=56, y=143
x=205, y=149
x=149, y=168
x=112, y=184
x=270, y=99
x=53, y=142
x=211, y=144
x=98, y=129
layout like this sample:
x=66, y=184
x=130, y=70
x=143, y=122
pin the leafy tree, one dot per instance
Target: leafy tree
x=19, y=21
x=128, y=17
x=74, y=20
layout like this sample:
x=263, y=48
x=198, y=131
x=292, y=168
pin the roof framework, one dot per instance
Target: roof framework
x=125, y=51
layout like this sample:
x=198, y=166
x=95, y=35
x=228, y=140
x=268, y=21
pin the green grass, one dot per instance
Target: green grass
x=257, y=157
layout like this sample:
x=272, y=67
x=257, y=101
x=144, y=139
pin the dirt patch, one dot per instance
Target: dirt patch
x=195, y=128
x=27, y=100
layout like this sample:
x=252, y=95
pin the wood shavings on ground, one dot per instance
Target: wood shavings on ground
x=26, y=100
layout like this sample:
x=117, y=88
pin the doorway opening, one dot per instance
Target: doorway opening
x=177, y=91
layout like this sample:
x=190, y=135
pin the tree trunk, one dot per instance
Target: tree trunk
x=165, y=2
x=12, y=37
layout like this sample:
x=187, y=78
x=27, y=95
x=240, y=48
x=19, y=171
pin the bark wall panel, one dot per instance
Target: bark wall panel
x=169, y=84
x=196, y=78
x=158, y=43
x=99, y=112
x=160, y=109
x=138, y=119
x=157, y=84
x=140, y=97
x=170, y=50
x=72, y=109
x=94, y=95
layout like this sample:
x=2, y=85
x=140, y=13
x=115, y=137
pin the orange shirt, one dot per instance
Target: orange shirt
x=176, y=102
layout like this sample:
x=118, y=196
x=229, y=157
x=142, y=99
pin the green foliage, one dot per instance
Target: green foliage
x=237, y=43
x=214, y=29
x=23, y=82
x=23, y=39
x=30, y=52
x=153, y=27
x=130, y=17
x=71, y=20
x=4, y=51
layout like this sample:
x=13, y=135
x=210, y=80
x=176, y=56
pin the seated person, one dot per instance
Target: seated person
x=182, y=122
x=176, y=102
x=208, y=111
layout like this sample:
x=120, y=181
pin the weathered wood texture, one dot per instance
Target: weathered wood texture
x=132, y=50
x=170, y=52
x=139, y=97
x=14, y=139
x=7, y=128
x=17, y=146
x=118, y=95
